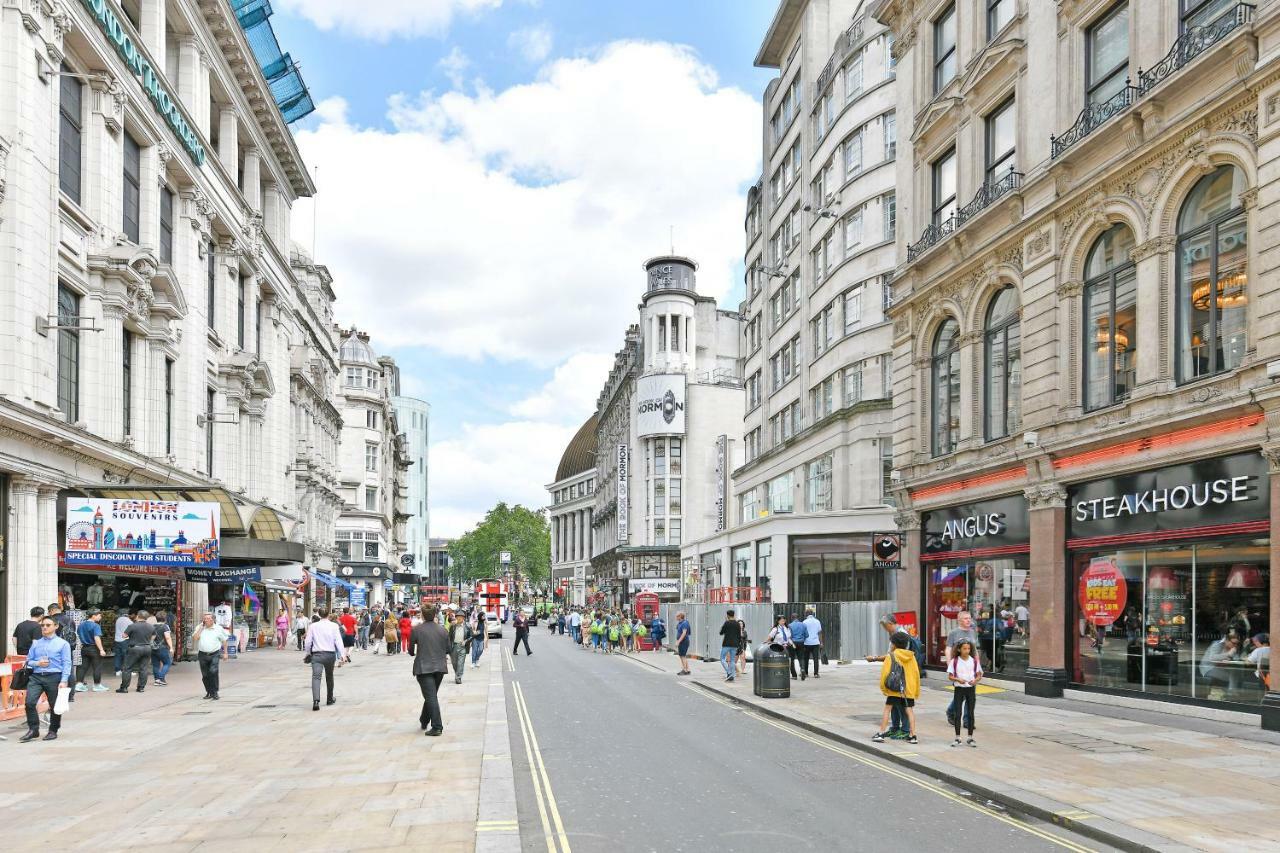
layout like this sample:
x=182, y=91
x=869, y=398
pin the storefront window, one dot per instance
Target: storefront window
x=764, y=554
x=836, y=568
x=997, y=595
x=116, y=594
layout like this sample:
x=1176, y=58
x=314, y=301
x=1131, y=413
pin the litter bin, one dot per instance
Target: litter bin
x=772, y=677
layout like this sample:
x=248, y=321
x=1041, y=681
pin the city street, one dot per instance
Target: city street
x=637, y=759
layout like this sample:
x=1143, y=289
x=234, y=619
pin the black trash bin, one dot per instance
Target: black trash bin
x=772, y=677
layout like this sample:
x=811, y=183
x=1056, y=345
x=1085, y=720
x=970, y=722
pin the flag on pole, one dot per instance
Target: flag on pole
x=251, y=602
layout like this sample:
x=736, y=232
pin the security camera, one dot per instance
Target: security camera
x=895, y=476
x=1031, y=438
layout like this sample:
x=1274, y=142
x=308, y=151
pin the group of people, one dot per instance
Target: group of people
x=800, y=639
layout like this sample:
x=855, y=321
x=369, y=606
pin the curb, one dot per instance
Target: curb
x=1096, y=827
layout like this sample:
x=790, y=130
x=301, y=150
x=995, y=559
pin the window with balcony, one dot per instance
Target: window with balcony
x=999, y=14
x=1213, y=275
x=1002, y=356
x=946, y=62
x=1110, y=310
x=1001, y=145
x=1107, y=55
x=945, y=372
x=944, y=187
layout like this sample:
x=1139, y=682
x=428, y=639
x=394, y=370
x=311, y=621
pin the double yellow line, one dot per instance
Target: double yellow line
x=908, y=777
x=541, y=782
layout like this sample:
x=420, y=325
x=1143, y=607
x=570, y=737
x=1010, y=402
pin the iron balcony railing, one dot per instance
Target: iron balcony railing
x=1191, y=44
x=844, y=43
x=988, y=194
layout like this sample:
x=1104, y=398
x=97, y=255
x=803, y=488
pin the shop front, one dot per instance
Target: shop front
x=121, y=590
x=976, y=558
x=837, y=568
x=1171, y=580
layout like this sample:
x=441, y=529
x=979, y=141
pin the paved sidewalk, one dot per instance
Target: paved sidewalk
x=259, y=770
x=1160, y=782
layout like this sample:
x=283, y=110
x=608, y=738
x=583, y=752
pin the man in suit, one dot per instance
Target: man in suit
x=429, y=644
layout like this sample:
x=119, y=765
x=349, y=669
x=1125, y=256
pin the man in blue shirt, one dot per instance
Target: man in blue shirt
x=799, y=633
x=812, y=642
x=91, y=651
x=49, y=660
x=684, y=633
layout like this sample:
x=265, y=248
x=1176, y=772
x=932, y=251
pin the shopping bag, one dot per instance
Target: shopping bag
x=63, y=701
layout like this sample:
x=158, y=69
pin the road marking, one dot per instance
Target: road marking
x=921, y=783
x=541, y=781
x=511, y=662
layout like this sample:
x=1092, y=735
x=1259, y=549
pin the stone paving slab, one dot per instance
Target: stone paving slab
x=259, y=770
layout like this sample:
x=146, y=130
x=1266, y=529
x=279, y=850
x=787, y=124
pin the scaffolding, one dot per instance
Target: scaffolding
x=290, y=93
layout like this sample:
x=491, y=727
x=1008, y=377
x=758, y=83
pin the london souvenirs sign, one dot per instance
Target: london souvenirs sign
x=107, y=532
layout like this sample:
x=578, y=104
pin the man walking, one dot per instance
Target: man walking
x=211, y=646
x=460, y=640
x=684, y=632
x=49, y=659
x=812, y=642
x=300, y=625
x=730, y=639
x=27, y=631
x=522, y=633
x=137, y=654
x=966, y=630
x=67, y=631
x=429, y=644
x=362, y=630
x=91, y=652
x=326, y=646
x=162, y=649
x=575, y=626
x=796, y=652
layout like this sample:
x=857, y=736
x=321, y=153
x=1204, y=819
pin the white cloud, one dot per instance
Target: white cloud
x=571, y=393
x=454, y=64
x=533, y=43
x=385, y=19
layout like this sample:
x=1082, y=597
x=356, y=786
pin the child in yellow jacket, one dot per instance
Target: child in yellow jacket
x=905, y=697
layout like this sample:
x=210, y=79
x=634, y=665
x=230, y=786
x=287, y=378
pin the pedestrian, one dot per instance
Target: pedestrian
x=575, y=626
x=348, y=623
x=627, y=636
x=405, y=626
x=897, y=719
x=162, y=648
x=391, y=632
x=657, y=632
x=210, y=640
x=1260, y=657
x=27, y=632
x=965, y=630
x=377, y=631
x=796, y=654
x=560, y=622
x=325, y=647
x=460, y=639
x=479, y=636
x=67, y=631
x=780, y=638
x=1022, y=615
x=615, y=636
x=683, y=634
x=521, y=624
x=812, y=641
x=91, y=652
x=429, y=644
x=900, y=684
x=965, y=671
x=123, y=621
x=743, y=645
x=49, y=660
x=282, y=629
x=363, y=624
x=300, y=625
x=137, y=655
x=730, y=640
x=597, y=633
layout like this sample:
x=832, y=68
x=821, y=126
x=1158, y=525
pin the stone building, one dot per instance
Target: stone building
x=569, y=515
x=1084, y=342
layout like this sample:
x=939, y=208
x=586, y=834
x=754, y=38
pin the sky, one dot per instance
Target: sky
x=492, y=175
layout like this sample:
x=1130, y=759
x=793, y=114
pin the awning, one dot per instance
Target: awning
x=240, y=516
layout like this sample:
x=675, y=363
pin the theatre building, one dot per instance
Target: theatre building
x=1086, y=347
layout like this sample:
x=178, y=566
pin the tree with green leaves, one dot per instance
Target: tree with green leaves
x=523, y=532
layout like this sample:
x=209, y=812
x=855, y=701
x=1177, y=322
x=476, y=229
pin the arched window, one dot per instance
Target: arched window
x=1002, y=355
x=946, y=388
x=1110, y=310
x=1213, y=275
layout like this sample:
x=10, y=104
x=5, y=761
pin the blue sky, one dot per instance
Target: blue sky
x=493, y=115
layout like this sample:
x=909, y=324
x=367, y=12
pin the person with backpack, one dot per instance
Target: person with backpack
x=626, y=636
x=897, y=719
x=597, y=634
x=615, y=637
x=965, y=671
x=900, y=684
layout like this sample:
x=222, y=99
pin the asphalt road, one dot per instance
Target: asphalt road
x=639, y=760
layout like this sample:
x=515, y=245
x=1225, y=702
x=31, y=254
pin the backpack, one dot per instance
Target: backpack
x=613, y=635
x=626, y=630
x=896, y=680
x=640, y=632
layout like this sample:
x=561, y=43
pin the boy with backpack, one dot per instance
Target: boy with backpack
x=900, y=684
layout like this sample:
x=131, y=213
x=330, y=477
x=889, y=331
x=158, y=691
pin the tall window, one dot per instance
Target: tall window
x=945, y=60
x=132, y=189
x=889, y=124
x=1107, y=55
x=211, y=284
x=886, y=469
x=1199, y=13
x=371, y=419
x=126, y=381
x=70, y=110
x=853, y=78
x=889, y=210
x=1001, y=141
x=168, y=405
x=944, y=187
x=257, y=326
x=166, y=225
x=781, y=493
x=208, y=430
x=371, y=498
x=819, y=484
x=240, y=313
x=68, y=353
x=1110, y=310
x=999, y=14
x=945, y=368
x=371, y=457
x=1002, y=353
x=853, y=154
x=1213, y=275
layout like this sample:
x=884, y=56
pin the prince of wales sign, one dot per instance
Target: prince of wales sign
x=106, y=532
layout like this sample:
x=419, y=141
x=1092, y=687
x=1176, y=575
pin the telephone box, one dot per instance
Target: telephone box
x=645, y=607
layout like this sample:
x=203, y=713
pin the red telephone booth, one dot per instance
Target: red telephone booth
x=645, y=607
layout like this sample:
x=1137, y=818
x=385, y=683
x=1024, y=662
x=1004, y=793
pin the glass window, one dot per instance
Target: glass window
x=997, y=594
x=886, y=469
x=945, y=60
x=675, y=455
x=132, y=189
x=70, y=111
x=748, y=505
x=659, y=497
x=1110, y=310
x=836, y=568
x=890, y=127
x=166, y=225
x=168, y=405
x=126, y=381
x=946, y=388
x=1001, y=142
x=1003, y=357
x=853, y=309
x=944, y=187
x=240, y=312
x=674, y=502
x=740, y=562
x=1107, y=55
x=764, y=555
x=371, y=550
x=68, y=353
x=673, y=531
x=852, y=231
x=999, y=14
x=371, y=499
x=781, y=497
x=853, y=384
x=1200, y=13
x=853, y=78
x=819, y=484
x=211, y=294
x=889, y=205
x=371, y=457
x=209, y=397
x=853, y=155
x=1213, y=275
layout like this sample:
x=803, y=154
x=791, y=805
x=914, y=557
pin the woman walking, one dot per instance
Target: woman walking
x=743, y=644
x=282, y=629
x=378, y=632
x=964, y=671
x=391, y=631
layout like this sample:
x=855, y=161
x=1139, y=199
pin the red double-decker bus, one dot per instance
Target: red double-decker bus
x=491, y=593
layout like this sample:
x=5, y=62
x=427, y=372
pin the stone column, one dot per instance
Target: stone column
x=151, y=26
x=1271, y=701
x=46, y=564
x=1048, y=673
x=24, y=590
x=1149, y=257
x=252, y=179
x=909, y=579
x=105, y=414
x=154, y=407
x=229, y=141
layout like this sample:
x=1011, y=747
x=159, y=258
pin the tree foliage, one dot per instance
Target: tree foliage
x=523, y=532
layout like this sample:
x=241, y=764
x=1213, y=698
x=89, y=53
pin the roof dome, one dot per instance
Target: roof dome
x=357, y=350
x=580, y=455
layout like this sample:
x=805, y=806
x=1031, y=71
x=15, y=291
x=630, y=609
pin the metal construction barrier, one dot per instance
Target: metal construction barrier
x=850, y=629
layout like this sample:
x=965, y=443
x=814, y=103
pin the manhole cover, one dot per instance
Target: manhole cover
x=1089, y=744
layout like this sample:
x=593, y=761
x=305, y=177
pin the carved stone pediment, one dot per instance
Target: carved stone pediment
x=1009, y=49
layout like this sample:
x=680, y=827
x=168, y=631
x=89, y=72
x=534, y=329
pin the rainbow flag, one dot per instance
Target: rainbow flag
x=251, y=602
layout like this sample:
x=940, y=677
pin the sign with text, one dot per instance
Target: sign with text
x=111, y=532
x=1103, y=592
x=624, y=496
x=886, y=551
x=984, y=524
x=660, y=586
x=659, y=404
x=221, y=574
x=722, y=451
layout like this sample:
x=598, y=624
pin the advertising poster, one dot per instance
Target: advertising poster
x=908, y=622
x=624, y=493
x=109, y=532
x=886, y=551
x=1103, y=592
x=659, y=402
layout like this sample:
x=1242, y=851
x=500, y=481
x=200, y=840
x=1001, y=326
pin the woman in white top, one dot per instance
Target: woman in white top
x=780, y=636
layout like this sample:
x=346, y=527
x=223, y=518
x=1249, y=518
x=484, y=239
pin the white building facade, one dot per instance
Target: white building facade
x=569, y=515
x=414, y=418
x=809, y=476
x=152, y=314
